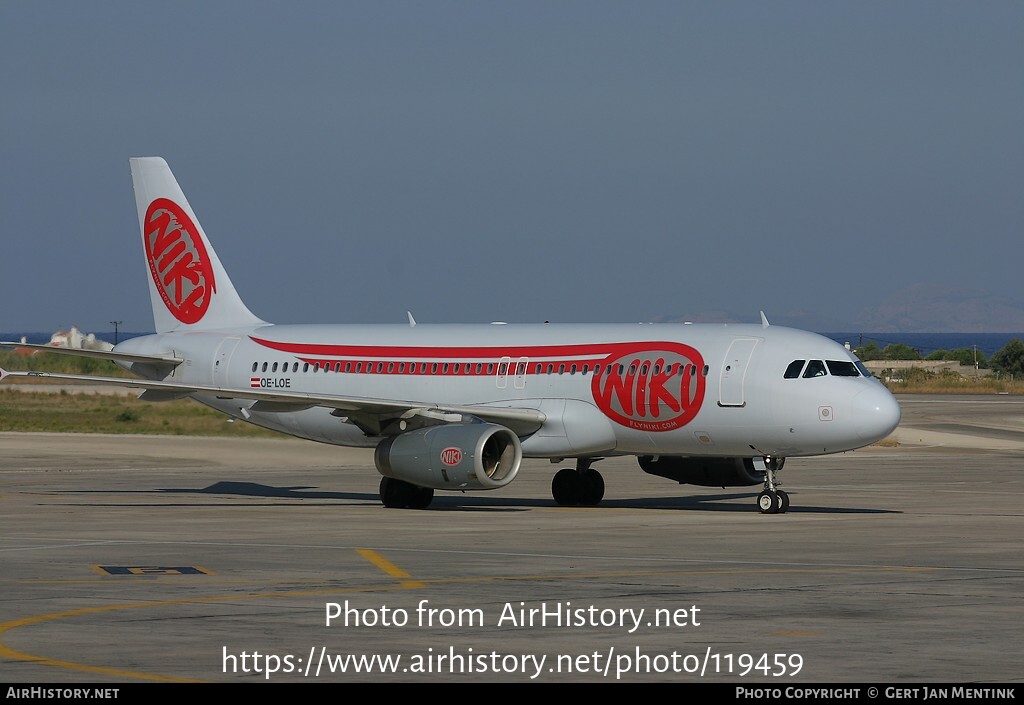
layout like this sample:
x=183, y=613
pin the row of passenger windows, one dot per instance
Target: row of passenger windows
x=818, y=368
x=479, y=368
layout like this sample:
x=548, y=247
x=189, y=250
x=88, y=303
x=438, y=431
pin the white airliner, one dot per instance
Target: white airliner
x=457, y=407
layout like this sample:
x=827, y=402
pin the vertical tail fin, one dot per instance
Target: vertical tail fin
x=188, y=286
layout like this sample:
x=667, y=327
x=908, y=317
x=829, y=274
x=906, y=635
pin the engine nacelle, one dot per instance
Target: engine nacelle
x=706, y=472
x=452, y=457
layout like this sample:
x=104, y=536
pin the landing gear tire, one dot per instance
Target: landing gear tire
x=591, y=488
x=398, y=494
x=769, y=502
x=783, y=501
x=563, y=487
x=575, y=488
x=421, y=498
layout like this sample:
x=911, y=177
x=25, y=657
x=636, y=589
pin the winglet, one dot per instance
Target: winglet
x=3, y=373
x=764, y=320
x=412, y=321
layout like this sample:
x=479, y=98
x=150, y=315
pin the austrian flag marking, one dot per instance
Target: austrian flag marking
x=178, y=261
x=254, y=382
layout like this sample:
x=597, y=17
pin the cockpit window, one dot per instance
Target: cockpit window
x=842, y=368
x=815, y=368
x=863, y=369
x=793, y=371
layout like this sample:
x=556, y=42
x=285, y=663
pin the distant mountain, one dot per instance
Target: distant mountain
x=794, y=319
x=935, y=308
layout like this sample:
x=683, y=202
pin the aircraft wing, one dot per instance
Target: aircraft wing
x=373, y=416
x=167, y=360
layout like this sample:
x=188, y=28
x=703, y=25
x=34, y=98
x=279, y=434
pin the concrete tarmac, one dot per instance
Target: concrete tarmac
x=162, y=558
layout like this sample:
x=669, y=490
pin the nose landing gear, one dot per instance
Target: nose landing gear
x=772, y=500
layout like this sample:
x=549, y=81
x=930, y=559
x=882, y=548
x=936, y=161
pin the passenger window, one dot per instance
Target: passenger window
x=706, y=369
x=305, y=366
x=295, y=367
x=585, y=368
x=502, y=368
x=455, y=369
x=572, y=370
x=842, y=368
x=444, y=368
x=273, y=368
x=793, y=371
x=551, y=368
x=380, y=367
x=264, y=367
x=815, y=368
x=255, y=365
x=561, y=369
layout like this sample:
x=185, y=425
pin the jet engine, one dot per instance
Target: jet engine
x=476, y=456
x=706, y=472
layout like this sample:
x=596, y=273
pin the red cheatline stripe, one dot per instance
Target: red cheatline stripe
x=394, y=351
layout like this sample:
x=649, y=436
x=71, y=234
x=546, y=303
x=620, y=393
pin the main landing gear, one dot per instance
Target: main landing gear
x=398, y=494
x=579, y=487
x=772, y=500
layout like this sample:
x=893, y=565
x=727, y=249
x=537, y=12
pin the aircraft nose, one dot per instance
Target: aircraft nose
x=877, y=413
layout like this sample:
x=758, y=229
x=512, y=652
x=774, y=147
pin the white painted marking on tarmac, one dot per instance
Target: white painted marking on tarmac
x=65, y=545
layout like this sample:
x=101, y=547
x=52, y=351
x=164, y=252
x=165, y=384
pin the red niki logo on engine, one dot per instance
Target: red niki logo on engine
x=657, y=387
x=178, y=261
x=451, y=456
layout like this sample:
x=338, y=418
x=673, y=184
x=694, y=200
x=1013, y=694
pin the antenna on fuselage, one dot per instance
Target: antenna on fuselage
x=412, y=321
x=764, y=320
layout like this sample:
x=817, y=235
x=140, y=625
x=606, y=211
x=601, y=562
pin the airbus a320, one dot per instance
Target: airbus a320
x=458, y=407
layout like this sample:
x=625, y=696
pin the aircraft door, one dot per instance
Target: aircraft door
x=222, y=360
x=520, y=380
x=501, y=379
x=734, y=371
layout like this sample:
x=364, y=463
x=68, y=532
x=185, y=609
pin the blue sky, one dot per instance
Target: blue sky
x=529, y=161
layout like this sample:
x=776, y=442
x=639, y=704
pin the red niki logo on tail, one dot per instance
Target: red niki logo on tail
x=178, y=261
x=657, y=387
